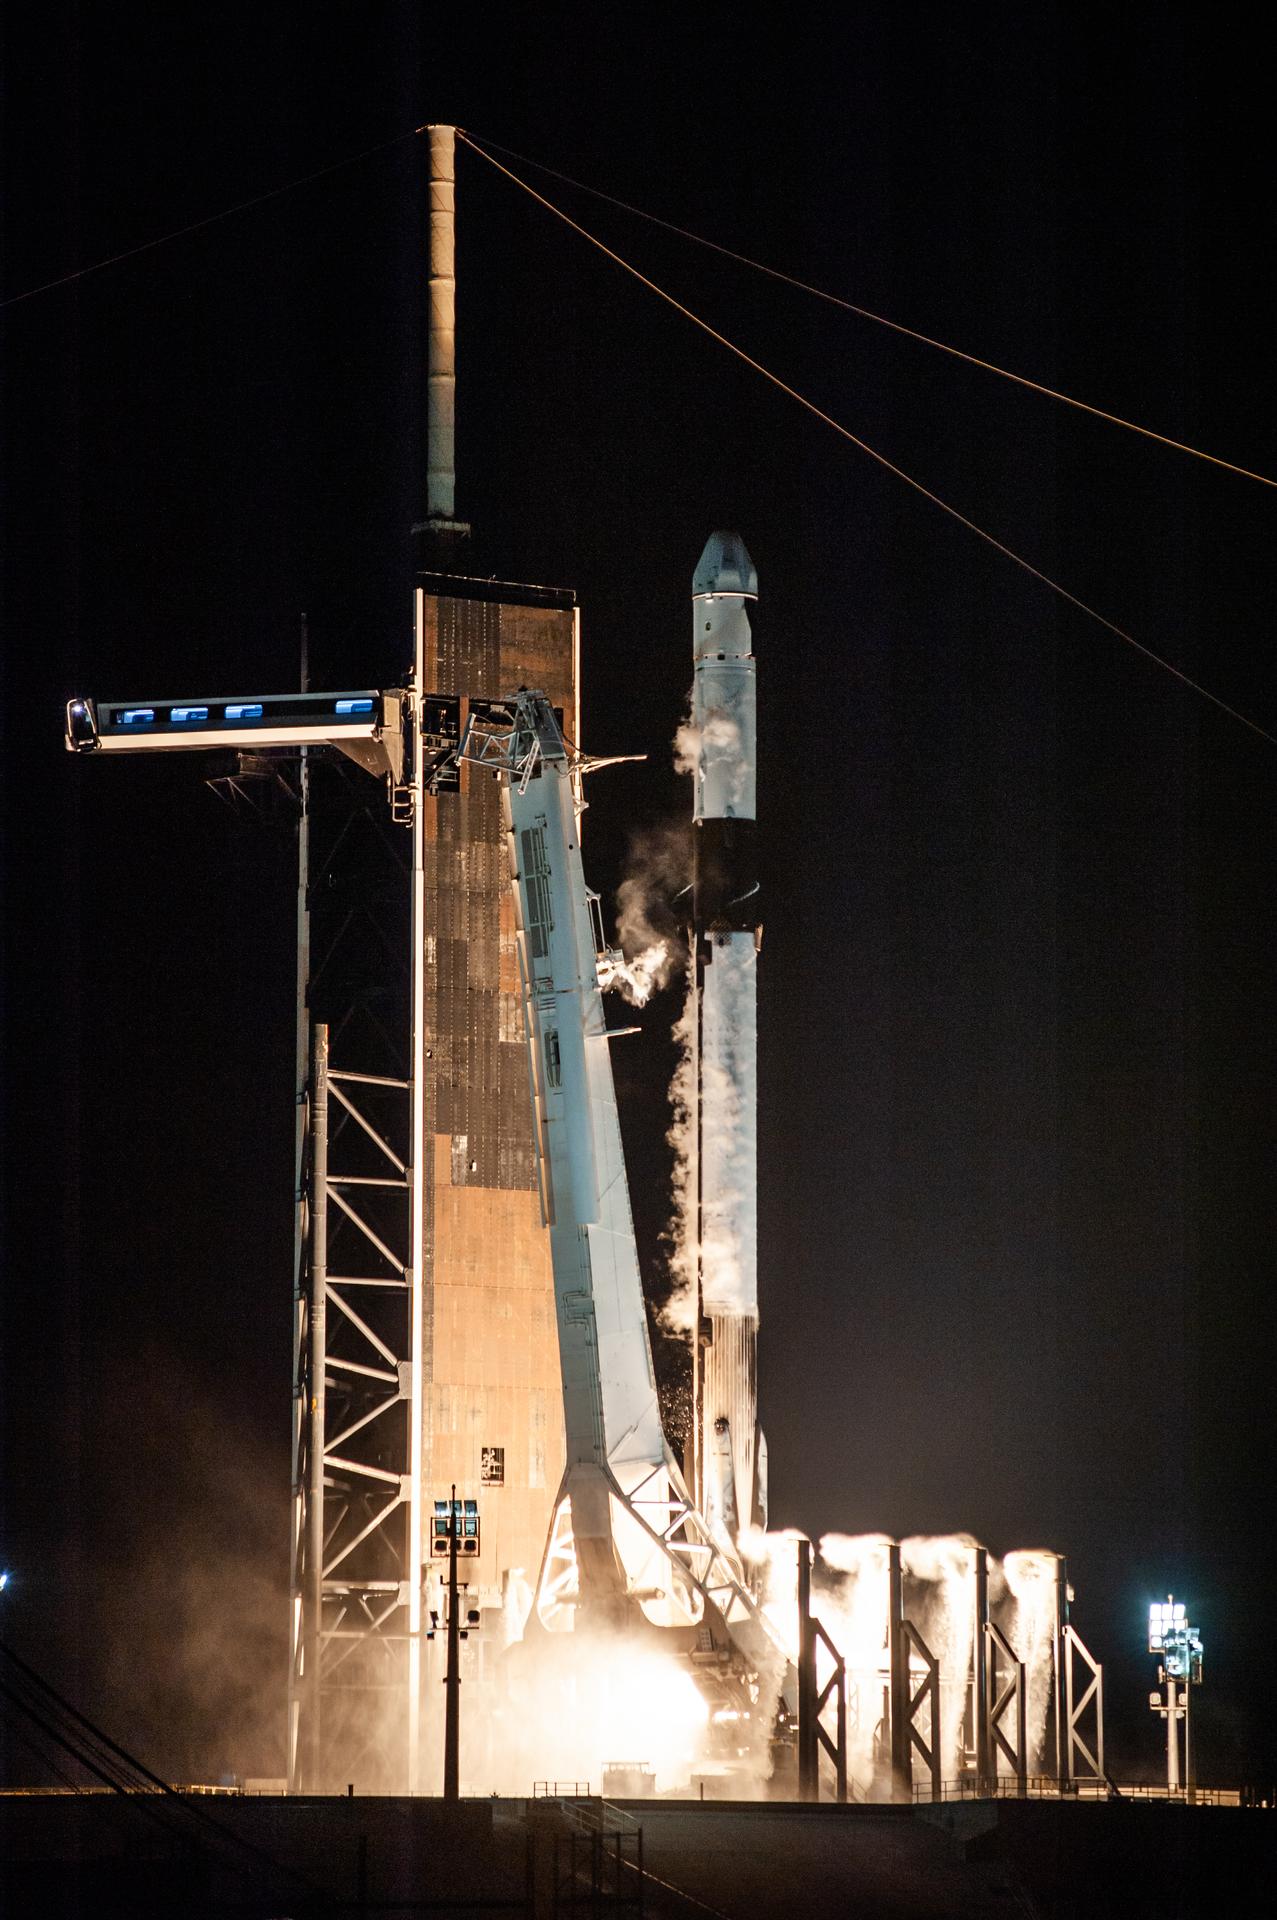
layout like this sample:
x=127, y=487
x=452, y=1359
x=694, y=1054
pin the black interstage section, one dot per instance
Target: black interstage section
x=726, y=895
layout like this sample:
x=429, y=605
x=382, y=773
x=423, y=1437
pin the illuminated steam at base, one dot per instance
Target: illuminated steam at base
x=573, y=1707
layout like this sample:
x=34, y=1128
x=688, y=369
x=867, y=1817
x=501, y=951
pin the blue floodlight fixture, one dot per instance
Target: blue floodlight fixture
x=4, y=1581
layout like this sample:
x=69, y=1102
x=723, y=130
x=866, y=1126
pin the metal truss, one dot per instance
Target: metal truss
x=708, y=1578
x=813, y=1699
x=1077, y=1698
x=352, y=1334
x=905, y=1645
x=1083, y=1743
x=352, y=1598
x=999, y=1695
x=684, y=1535
x=1003, y=1709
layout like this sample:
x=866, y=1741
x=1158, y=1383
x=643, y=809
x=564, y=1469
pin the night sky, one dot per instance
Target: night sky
x=1016, y=1134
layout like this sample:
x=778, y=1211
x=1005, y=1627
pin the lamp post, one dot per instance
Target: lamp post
x=1179, y=1646
x=455, y=1532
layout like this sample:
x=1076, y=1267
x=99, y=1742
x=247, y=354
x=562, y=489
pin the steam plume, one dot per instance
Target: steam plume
x=1030, y=1576
x=678, y=1315
x=652, y=949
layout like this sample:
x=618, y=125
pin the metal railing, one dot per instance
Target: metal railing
x=1047, y=1787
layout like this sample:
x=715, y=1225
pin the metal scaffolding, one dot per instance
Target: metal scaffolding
x=999, y=1694
x=814, y=1737
x=906, y=1645
x=1079, y=1698
x=354, y=1355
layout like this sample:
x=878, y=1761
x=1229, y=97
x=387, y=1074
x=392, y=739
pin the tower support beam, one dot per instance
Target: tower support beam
x=908, y=1653
x=814, y=1737
x=417, y=1197
x=317, y=1383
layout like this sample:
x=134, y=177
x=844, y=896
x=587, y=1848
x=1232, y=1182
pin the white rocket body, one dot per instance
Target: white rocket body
x=727, y=929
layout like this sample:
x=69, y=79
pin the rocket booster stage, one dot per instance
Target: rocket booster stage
x=727, y=924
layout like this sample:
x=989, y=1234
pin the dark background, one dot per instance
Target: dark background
x=1016, y=1129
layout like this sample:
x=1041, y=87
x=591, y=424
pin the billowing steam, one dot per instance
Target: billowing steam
x=712, y=752
x=1031, y=1578
x=651, y=944
x=678, y=1315
x=851, y=1599
x=572, y=1706
x=652, y=907
x=728, y=1171
x=943, y=1568
x=721, y=1246
x=637, y=979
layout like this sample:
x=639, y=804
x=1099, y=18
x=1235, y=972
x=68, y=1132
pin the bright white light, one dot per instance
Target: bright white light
x=576, y=1710
x=4, y=1581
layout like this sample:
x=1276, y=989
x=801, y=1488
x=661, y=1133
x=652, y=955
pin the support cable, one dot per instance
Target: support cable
x=117, y=1769
x=881, y=320
x=828, y=419
x=209, y=220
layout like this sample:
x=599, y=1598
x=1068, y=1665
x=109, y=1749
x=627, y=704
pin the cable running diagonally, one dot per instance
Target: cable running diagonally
x=209, y=220
x=66, y=1728
x=881, y=320
x=828, y=419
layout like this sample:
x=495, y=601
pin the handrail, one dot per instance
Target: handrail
x=1047, y=1787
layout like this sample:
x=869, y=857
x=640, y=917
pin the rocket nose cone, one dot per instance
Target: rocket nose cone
x=725, y=567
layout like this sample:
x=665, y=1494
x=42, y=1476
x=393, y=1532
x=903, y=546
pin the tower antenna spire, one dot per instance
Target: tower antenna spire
x=441, y=530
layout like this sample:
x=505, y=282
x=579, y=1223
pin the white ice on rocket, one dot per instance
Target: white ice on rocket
x=724, y=731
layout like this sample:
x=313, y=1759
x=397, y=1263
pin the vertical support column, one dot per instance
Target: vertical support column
x=297, y=1597
x=981, y=1683
x=898, y=1660
x=808, y=1751
x=314, y=1597
x=1022, y=1731
x=452, y=1677
x=1172, y=1734
x=301, y=1069
x=417, y=1205
x=1060, y=1704
x=1190, y=1767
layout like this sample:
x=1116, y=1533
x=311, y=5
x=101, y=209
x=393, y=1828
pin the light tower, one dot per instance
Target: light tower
x=1179, y=1647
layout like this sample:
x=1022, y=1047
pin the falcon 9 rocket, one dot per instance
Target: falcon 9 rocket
x=731, y=1461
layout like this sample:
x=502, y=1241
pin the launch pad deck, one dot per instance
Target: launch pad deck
x=70, y=1854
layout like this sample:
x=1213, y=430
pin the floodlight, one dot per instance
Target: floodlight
x=81, y=726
